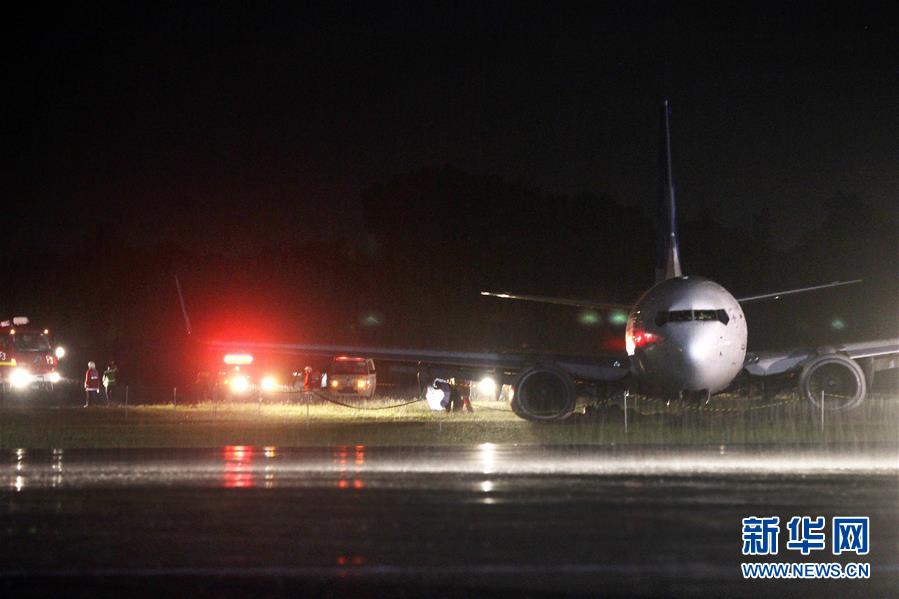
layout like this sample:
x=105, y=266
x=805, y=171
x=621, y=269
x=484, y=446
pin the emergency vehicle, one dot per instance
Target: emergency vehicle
x=27, y=358
x=351, y=376
x=237, y=378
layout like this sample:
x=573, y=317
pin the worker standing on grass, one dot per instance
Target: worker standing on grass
x=109, y=380
x=460, y=399
x=307, y=379
x=464, y=390
x=91, y=383
x=447, y=389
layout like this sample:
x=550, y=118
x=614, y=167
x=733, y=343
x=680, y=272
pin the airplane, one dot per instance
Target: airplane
x=685, y=335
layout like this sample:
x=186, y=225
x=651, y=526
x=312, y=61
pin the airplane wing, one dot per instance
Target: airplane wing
x=559, y=301
x=778, y=294
x=883, y=353
x=607, y=367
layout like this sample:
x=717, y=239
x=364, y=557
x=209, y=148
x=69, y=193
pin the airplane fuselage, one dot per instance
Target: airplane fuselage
x=686, y=334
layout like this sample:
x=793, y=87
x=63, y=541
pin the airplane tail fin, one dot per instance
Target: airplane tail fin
x=668, y=252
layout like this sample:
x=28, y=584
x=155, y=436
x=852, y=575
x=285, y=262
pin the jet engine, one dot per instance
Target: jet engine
x=834, y=378
x=543, y=393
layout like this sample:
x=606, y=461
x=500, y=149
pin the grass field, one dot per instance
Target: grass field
x=724, y=421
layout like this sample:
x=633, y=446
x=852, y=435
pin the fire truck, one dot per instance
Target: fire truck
x=237, y=379
x=28, y=360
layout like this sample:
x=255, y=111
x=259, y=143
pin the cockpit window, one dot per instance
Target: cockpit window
x=680, y=315
x=664, y=317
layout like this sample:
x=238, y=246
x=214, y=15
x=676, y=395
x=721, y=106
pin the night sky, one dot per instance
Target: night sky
x=219, y=126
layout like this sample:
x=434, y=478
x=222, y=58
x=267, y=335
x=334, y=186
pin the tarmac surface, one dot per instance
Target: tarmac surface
x=479, y=520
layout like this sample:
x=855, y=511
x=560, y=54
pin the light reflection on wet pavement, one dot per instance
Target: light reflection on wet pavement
x=482, y=518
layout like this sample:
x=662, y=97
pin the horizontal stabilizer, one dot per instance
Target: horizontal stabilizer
x=779, y=294
x=561, y=301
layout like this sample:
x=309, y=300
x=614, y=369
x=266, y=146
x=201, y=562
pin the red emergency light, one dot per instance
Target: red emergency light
x=348, y=359
x=238, y=359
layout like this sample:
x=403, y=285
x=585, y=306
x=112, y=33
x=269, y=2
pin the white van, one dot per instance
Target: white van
x=351, y=376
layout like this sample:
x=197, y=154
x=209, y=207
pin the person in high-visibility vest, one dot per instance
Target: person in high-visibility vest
x=109, y=380
x=307, y=378
x=91, y=383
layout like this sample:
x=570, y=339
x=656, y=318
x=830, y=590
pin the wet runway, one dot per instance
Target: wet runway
x=434, y=521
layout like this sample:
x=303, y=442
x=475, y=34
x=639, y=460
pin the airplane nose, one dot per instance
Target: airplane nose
x=685, y=364
x=698, y=351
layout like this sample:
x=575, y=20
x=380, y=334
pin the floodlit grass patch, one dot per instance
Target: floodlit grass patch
x=723, y=421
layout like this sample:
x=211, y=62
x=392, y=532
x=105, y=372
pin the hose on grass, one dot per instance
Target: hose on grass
x=481, y=406
x=346, y=405
x=325, y=397
x=399, y=405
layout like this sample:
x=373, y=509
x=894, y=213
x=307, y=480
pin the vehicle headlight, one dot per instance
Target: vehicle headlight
x=240, y=384
x=487, y=386
x=55, y=377
x=20, y=378
x=269, y=383
x=362, y=383
x=334, y=384
x=60, y=352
